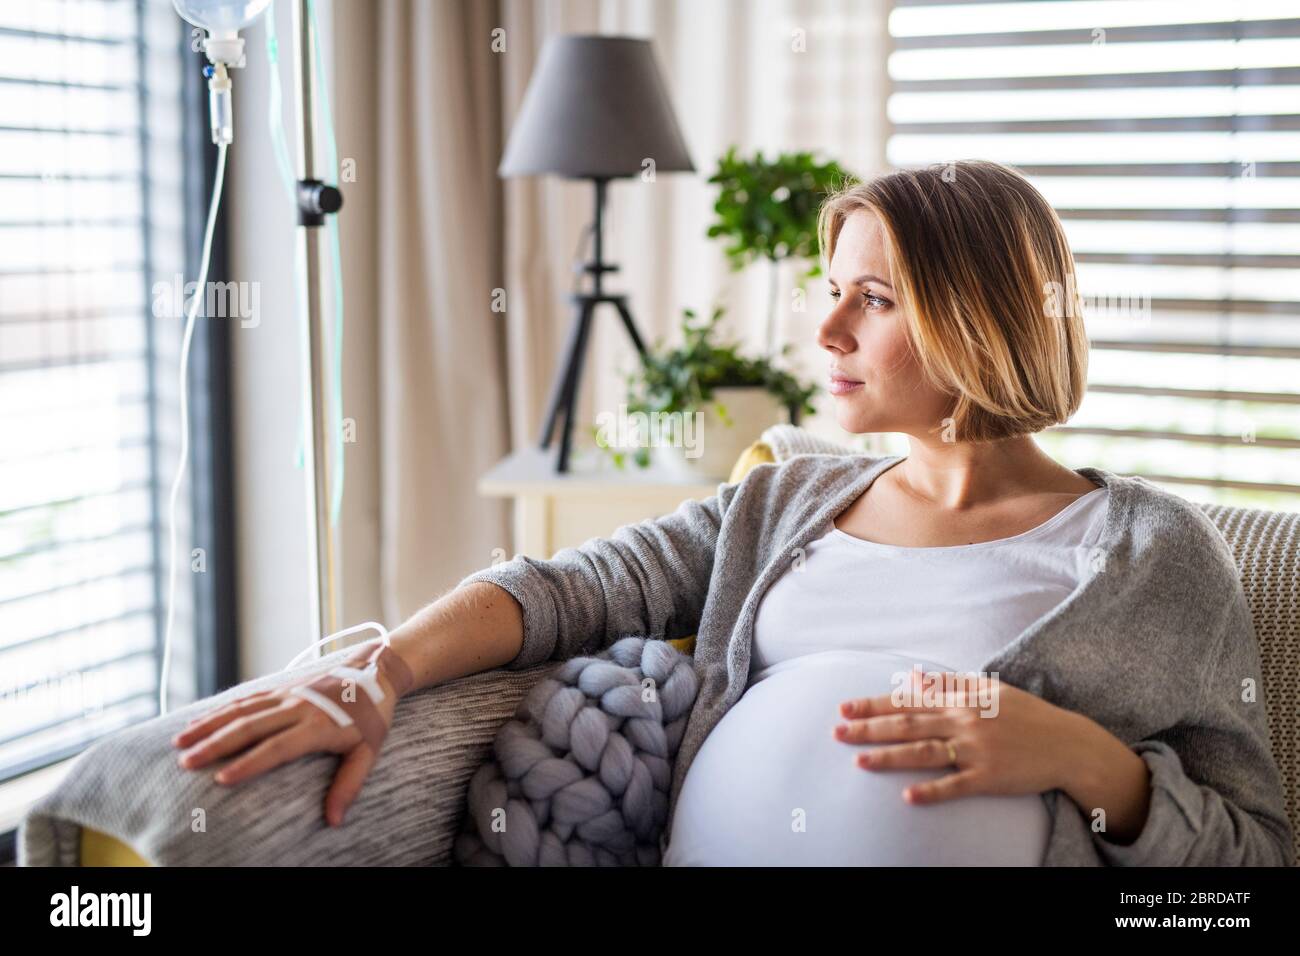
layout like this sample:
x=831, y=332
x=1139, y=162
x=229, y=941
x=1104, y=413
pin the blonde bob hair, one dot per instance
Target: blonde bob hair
x=984, y=275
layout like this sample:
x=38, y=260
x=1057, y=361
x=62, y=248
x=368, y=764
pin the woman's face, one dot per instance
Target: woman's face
x=875, y=380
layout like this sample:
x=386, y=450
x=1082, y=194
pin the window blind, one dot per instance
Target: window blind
x=92, y=217
x=1166, y=136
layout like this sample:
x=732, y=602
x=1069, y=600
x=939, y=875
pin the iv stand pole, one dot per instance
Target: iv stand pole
x=315, y=201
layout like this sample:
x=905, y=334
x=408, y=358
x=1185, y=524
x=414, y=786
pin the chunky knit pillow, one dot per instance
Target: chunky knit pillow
x=580, y=775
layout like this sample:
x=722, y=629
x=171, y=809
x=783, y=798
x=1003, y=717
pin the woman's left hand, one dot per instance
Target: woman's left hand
x=1006, y=740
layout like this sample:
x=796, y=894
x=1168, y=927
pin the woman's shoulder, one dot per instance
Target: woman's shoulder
x=1156, y=525
x=809, y=471
x=784, y=495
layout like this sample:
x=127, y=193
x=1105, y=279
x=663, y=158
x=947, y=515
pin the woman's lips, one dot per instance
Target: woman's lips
x=843, y=386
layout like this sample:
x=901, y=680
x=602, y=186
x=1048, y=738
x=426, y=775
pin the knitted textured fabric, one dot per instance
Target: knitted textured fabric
x=786, y=441
x=581, y=773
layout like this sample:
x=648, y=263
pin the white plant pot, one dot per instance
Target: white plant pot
x=708, y=447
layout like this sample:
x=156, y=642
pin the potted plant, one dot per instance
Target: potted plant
x=767, y=209
x=703, y=402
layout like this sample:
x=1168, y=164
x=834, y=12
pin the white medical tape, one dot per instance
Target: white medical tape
x=367, y=680
x=333, y=710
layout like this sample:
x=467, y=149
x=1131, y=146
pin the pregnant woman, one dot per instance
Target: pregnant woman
x=967, y=655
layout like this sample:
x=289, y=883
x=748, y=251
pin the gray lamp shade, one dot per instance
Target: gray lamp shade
x=596, y=106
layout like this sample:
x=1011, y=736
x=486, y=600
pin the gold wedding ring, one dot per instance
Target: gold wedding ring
x=952, y=753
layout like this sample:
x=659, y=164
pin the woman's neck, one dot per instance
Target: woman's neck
x=962, y=475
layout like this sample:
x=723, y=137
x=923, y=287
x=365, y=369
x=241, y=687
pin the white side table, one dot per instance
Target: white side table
x=593, y=499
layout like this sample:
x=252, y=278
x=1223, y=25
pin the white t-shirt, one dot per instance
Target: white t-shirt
x=772, y=786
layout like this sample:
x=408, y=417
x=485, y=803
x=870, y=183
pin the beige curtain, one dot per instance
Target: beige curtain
x=426, y=103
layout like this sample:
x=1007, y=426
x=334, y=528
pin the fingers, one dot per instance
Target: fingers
x=237, y=735
x=924, y=690
x=238, y=701
x=204, y=724
x=964, y=783
x=909, y=725
x=931, y=752
x=347, y=783
x=269, y=754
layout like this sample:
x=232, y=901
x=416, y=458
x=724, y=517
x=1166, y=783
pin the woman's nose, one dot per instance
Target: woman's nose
x=834, y=333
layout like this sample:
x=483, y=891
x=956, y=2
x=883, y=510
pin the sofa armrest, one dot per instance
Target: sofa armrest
x=130, y=787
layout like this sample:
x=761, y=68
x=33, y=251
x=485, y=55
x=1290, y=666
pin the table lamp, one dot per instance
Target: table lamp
x=596, y=108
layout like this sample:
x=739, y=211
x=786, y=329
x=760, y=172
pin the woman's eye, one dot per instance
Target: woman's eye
x=868, y=298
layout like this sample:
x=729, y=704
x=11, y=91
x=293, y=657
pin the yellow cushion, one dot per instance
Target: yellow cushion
x=755, y=454
x=100, y=849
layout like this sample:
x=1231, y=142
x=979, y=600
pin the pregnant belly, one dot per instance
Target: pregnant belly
x=770, y=786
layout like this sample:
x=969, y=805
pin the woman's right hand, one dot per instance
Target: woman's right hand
x=273, y=727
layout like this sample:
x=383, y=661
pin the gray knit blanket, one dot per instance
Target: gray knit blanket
x=580, y=775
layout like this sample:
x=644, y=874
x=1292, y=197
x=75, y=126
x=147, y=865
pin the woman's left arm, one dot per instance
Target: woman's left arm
x=1204, y=792
x=1103, y=774
x=1215, y=789
x=1005, y=741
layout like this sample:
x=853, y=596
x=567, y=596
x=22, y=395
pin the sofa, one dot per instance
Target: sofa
x=125, y=802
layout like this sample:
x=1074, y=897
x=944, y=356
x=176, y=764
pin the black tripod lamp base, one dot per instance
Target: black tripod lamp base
x=564, y=389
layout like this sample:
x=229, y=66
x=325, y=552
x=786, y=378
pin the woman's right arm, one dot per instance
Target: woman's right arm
x=433, y=641
x=646, y=578
x=272, y=727
x=651, y=578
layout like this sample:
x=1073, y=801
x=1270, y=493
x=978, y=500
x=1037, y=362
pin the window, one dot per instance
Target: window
x=100, y=176
x=1166, y=135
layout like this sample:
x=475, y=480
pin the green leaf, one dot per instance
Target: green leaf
x=682, y=379
x=768, y=208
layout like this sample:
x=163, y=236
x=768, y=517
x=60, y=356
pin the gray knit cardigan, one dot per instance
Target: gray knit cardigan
x=1156, y=643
